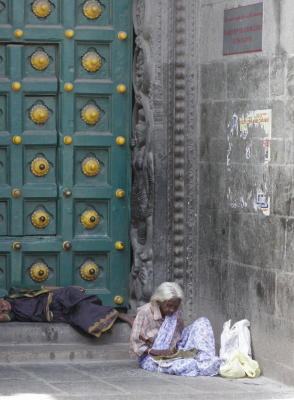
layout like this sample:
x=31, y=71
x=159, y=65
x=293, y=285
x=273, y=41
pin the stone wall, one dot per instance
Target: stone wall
x=245, y=267
x=212, y=202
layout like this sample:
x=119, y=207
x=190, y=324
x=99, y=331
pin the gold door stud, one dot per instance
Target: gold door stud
x=118, y=300
x=119, y=245
x=40, y=166
x=17, y=140
x=41, y=8
x=16, y=86
x=90, y=114
x=120, y=193
x=67, y=140
x=89, y=271
x=122, y=35
x=39, y=272
x=69, y=33
x=68, y=87
x=92, y=9
x=91, y=166
x=91, y=61
x=18, y=33
x=121, y=88
x=40, y=60
x=39, y=114
x=120, y=140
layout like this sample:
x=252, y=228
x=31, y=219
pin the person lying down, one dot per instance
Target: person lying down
x=60, y=304
x=162, y=344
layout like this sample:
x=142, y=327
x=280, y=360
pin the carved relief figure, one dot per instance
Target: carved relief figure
x=141, y=277
x=142, y=196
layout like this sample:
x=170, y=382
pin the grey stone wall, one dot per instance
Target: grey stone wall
x=245, y=267
x=203, y=226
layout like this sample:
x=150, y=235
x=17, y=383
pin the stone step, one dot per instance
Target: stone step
x=59, y=333
x=61, y=352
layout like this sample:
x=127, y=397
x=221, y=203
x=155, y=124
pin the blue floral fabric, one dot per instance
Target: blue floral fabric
x=198, y=335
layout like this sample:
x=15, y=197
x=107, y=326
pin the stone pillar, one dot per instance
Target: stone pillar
x=164, y=207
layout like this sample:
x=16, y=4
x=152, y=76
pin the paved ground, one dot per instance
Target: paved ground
x=122, y=380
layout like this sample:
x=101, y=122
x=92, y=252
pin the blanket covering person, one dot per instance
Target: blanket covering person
x=156, y=336
x=65, y=304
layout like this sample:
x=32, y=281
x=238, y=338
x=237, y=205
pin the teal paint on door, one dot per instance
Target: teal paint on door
x=61, y=111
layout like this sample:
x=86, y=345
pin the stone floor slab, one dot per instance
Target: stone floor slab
x=123, y=380
x=88, y=388
x=7, y=371
x=153, y=385
x=55, y=373
x=124, y=369
x=14, y=387
x=97, y=396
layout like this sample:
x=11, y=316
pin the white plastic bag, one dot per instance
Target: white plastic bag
x=236, y=351
x=240, y=366
x=235, y=339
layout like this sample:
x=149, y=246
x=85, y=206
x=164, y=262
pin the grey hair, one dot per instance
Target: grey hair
x=167, y=291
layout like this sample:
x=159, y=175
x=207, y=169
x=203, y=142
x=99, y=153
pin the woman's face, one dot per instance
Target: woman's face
x=5, y=306
x=168, y=307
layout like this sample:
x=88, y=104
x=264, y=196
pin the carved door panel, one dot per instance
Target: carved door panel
x=65, y=106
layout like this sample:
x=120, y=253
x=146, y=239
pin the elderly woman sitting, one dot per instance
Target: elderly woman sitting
x=161, y=342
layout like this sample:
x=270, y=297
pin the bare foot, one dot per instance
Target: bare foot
x=4, y=317
x=127, y=318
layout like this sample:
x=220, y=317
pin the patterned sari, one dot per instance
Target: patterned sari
x=197, y=336
x=69, y=305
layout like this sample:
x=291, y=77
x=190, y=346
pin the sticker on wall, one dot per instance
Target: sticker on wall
x=267, y=150
x=248, y=152
x=233, y=131
x=263, y=203
x=243, y=128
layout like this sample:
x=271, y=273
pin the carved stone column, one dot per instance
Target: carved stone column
x=164, y=208
x=182, y=140
x=141, y=278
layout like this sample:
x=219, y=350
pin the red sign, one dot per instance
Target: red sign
x=243, y=29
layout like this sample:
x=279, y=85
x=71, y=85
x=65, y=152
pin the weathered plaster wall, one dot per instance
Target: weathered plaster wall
x=245, y=267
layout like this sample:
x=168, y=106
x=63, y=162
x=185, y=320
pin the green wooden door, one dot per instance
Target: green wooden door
x=65, y=107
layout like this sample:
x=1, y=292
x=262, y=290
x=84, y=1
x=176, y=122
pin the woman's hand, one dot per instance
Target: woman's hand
x=148, y=341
